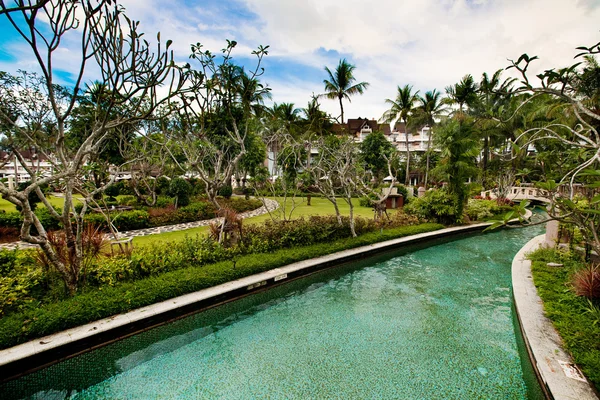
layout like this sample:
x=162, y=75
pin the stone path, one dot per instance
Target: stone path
x=271, y=204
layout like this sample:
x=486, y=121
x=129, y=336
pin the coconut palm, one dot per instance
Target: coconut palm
x=463, y=93
x=340, y=84
x=400, y=109
x=494, y=96
x=432, y=107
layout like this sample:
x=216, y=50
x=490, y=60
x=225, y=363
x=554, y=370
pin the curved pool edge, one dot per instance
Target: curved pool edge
x=543, y=343
x=42, y=352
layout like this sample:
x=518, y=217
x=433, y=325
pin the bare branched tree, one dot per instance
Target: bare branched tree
x=131, y=74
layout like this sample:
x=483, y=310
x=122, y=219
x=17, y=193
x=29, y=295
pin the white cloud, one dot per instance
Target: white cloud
x=426, y=43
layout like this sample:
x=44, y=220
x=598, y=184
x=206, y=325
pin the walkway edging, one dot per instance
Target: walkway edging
x=544, y=344
x=44, y=351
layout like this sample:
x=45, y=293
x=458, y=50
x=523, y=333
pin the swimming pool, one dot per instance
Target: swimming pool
x=421, y=323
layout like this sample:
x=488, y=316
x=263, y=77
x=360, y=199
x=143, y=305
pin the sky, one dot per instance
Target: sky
x=429, y=44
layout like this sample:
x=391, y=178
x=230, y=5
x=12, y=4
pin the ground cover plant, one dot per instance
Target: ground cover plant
x=575, y=316
x=34, y=306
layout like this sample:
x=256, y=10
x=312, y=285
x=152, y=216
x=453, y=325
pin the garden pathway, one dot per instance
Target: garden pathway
x=270, y=204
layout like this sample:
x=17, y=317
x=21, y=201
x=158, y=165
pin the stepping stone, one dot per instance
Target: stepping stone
x=552, y=264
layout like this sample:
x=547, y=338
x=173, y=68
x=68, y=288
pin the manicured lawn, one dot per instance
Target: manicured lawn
x=572, y=316
x=319, y=206
x=7, y=206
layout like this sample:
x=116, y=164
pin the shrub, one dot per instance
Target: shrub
x=436, y=205
x=226, y=191
x=8, y=259
x=11, y=219
x=113, y=191
x=241, y=205
x=123, y=221
x=365, y=201
x=163, y=201
x=162, y=185
x=130, y=220
x=127, y=201
x=586, y=282
x=16, y=290
x=181, y=190
x=481, y=209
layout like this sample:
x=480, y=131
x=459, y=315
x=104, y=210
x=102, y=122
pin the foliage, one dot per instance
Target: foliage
x=113, y=191
x=437, y=205
x=586, y=282
x=373, y=151
x=181, y=190
x=340, y=84
x=459, y=151
x=481, y=209
x=226, y=191
x=569, y=313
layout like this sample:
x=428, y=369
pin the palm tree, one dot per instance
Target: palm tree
x=340, y=84
x=317, y=120
x=494, y=96
x=463, y=93
x=252, y=93
x=459, y=151
x=401, y=108
x=432, y=107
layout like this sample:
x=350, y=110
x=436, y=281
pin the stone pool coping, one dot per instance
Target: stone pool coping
x=41, y=352
x=543, y=342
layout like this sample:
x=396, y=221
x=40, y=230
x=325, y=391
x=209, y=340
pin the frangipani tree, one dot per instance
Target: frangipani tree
x=132, y=74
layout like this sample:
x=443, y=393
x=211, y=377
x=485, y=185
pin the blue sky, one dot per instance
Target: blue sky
x=426, y=43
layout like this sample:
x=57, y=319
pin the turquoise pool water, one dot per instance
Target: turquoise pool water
x=429, y=323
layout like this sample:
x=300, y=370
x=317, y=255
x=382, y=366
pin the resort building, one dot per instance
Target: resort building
x=13, y=169
x=359, y=128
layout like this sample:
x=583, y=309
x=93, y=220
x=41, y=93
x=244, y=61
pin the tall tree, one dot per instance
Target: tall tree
x=458, y=159
x=132, y=73
x=432, y=108
x=494, y=95
x=400, y=109
x=340, y=84
x=463, y=93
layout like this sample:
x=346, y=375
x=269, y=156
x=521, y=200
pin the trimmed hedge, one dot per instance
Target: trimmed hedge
x=110, y=300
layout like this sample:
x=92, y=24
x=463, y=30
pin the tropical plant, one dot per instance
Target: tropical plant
x=400, y=109
x=431, y=109
x=340, y=84
x=459, y=149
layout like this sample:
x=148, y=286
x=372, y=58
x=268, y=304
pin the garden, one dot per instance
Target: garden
x=88, y=161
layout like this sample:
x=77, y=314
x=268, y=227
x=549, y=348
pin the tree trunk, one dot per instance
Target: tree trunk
x=342, y=109
x=428, y=155
x=407, y=179
x=351, y=217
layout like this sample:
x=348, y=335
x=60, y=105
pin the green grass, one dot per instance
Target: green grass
x=578, y=327
x=97, y=303
x=319, y=206
x=7, y=206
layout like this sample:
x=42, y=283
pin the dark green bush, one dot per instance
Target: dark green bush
x=437, y=206
x=113, y=191
x=122, y=220
x=8, y=259
x=12, y=219
x=226, y=191
x=181, y=190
